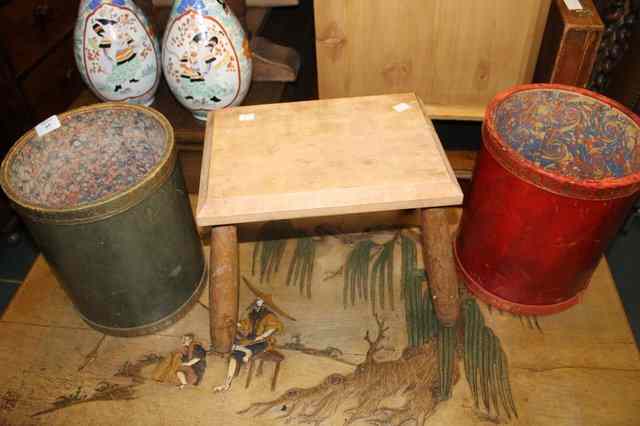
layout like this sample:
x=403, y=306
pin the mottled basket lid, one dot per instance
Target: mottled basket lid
x=100, y=159
x=565, y=139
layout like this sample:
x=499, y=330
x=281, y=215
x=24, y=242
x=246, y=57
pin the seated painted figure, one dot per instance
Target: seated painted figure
x=254, y=335
x=192, y=362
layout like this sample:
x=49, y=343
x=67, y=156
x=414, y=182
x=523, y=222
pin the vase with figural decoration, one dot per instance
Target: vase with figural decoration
x=116, y=51
x=206, y=57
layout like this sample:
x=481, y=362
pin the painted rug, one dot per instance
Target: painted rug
x=357, y=344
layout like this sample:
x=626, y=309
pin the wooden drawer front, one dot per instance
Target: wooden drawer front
x=55, y=83
x=30, y=28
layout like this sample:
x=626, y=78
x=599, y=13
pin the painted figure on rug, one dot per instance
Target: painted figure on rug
x=193, y=358
x=185, y=366
x=254, y=334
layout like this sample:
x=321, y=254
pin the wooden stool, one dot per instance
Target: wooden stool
x=319, y=158
x=268, y=356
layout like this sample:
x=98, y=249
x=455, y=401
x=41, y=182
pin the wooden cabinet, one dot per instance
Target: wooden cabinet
x=32, y=28
x=39, y=75
x=49, y=85
x=570, y=44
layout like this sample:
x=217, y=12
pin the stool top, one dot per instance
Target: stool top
x=319, y=158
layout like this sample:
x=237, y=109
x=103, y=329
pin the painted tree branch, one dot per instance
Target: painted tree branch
x=374, y=346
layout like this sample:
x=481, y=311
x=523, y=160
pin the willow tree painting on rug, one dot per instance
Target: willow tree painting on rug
x=408, y=389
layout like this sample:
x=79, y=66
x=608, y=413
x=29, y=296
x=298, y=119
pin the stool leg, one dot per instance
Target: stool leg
x=259, y=372
x=236, y=371
x=223, y=287
x=275, y=376
x=437, y=251
x=249, y=374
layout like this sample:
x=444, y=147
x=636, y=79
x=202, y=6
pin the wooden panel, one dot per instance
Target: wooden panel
x=453, y=53
x=461, y=113
x=321, y=158
x=570, y=44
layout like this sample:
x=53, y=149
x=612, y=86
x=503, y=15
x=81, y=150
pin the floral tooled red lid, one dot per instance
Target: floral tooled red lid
x=567, y=140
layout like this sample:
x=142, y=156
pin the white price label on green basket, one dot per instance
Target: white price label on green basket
x=47, y=126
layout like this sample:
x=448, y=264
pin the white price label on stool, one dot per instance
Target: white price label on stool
x=402, y=107
x=48, y=125
x=247, y=117
x=573, y=4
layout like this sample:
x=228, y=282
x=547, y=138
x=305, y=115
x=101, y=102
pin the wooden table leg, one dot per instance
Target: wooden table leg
x=437, y=250
x=223, y=287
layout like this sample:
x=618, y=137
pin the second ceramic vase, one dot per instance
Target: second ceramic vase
x=205, y=56
x=116, y=51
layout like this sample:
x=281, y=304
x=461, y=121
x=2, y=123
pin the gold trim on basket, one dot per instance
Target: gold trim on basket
x=106, y=207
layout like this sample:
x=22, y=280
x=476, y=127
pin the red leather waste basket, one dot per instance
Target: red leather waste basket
x=558, y=171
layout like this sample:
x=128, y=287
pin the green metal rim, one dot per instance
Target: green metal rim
x=106, y=207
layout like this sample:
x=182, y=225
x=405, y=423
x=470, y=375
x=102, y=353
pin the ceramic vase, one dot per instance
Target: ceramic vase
x=116, y=51
x=206, y=57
